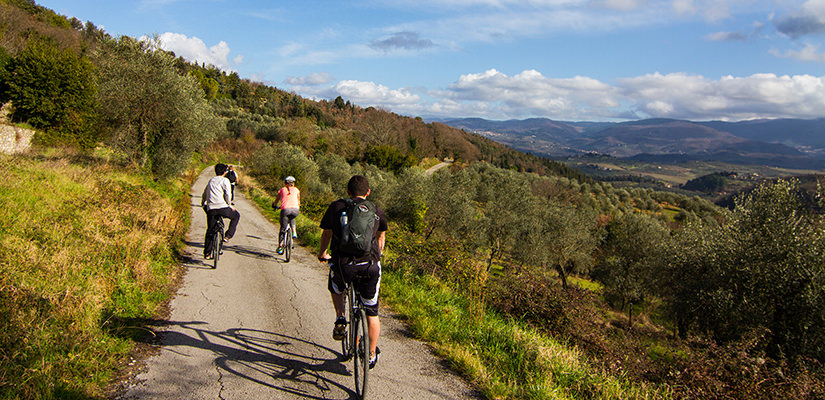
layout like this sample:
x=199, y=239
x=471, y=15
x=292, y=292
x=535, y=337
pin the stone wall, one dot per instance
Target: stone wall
x=13, y=139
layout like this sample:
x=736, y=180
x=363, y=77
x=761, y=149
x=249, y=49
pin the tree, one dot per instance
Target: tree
x=633, y=249
x=761, y=270
x=53, y=89
x=408, y=201
x=450, y=206
x=156, y=116
x=558, y=236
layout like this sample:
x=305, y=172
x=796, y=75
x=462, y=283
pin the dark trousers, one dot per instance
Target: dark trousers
x=226, y=212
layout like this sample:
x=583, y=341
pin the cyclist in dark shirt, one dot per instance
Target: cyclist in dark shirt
x=233, y=178
x=343, y=268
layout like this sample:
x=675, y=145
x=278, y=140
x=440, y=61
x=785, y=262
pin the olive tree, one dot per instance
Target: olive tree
x=632, y=256
x=558, y=236
x=761, y=270
x=154, y=114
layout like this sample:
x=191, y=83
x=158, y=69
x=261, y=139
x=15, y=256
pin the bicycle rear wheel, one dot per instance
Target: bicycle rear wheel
x=346, y=343
x=361, y=355
x=217, y=245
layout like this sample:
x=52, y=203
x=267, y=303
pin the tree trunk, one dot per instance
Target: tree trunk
x=630, y=316
x=144, y=143
x=562, y=274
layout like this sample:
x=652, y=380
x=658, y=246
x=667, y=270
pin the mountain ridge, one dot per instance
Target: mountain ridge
x=789, y=143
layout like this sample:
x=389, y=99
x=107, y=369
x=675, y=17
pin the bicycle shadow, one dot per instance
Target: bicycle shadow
x=273, y=360
x=195, y=259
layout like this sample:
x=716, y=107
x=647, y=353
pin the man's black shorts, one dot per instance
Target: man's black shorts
x=368, y=286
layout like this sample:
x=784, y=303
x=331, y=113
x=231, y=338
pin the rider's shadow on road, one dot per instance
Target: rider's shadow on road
x=273, y=360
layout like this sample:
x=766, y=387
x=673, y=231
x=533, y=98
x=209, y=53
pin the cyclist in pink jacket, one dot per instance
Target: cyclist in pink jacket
x=289, y=198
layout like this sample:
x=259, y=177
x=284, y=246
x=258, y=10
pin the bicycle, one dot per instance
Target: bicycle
x=217, y=241
x=288, y=243
x=356, y=343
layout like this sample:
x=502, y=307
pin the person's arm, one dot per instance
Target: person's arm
x=382, y=239
x=277, y=200
x=326, y=237
x=227, y=192
x=205, y=196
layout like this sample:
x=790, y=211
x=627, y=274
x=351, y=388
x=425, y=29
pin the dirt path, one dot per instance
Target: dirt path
x=259, y=328
x=438, y=166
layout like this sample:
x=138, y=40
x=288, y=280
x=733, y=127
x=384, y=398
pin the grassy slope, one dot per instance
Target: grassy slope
x=84, y=248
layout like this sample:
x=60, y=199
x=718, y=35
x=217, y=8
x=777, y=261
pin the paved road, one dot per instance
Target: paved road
x=259, y=328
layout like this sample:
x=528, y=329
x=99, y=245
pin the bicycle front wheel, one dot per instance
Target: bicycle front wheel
x=361, y=355
x=288, y=245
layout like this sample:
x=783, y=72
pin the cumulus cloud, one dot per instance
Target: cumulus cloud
x=364, y=94
x=809, y=20
x=809, y=53
x=315, y=79
x=531, y=93
x=686, y=96
x=726, y=36
x=195, y=50
x=621, y=5
x=402, y=41
x=495, y=95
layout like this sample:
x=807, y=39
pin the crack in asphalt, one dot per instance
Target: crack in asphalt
x=206, y=305
x=220, y=381
x=294, y=299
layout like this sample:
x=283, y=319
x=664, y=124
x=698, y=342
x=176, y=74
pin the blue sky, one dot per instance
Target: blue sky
x=570, y=60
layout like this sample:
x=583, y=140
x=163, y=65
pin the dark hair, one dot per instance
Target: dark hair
x=220, y=169
x=358, y=185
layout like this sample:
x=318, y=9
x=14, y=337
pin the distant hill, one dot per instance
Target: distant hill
x=787, y=143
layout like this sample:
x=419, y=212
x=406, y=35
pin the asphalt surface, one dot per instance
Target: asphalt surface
x=259, y=328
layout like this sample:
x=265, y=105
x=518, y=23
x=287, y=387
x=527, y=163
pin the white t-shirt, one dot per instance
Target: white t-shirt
x=217, y=194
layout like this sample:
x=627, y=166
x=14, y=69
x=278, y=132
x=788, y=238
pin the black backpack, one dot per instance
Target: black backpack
x=358, y=228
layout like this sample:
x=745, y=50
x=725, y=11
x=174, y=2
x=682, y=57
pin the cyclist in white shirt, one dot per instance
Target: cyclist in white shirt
x=216, y=200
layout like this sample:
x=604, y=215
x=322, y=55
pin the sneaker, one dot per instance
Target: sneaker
x=280, y=250
x=340, y=329
x=207, y=256
x=374, y=359
x=295, y=236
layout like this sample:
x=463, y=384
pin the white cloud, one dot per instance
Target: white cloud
x=492, y=94
x=726, y=36
x=195, y=50
x=729, y=98
x=809, y=53
x=363, y=93
x=314, y=79
x=808, y=20
x=531, y=93
x=621, y=5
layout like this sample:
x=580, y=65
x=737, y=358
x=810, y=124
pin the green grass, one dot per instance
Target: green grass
x=503, y=358
x=84, y=247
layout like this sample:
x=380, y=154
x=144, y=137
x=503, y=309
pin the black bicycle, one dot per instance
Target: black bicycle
x=356, y=342
x=217, y=240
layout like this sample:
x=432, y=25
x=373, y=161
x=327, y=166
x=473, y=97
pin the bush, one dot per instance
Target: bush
x=53, y=89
